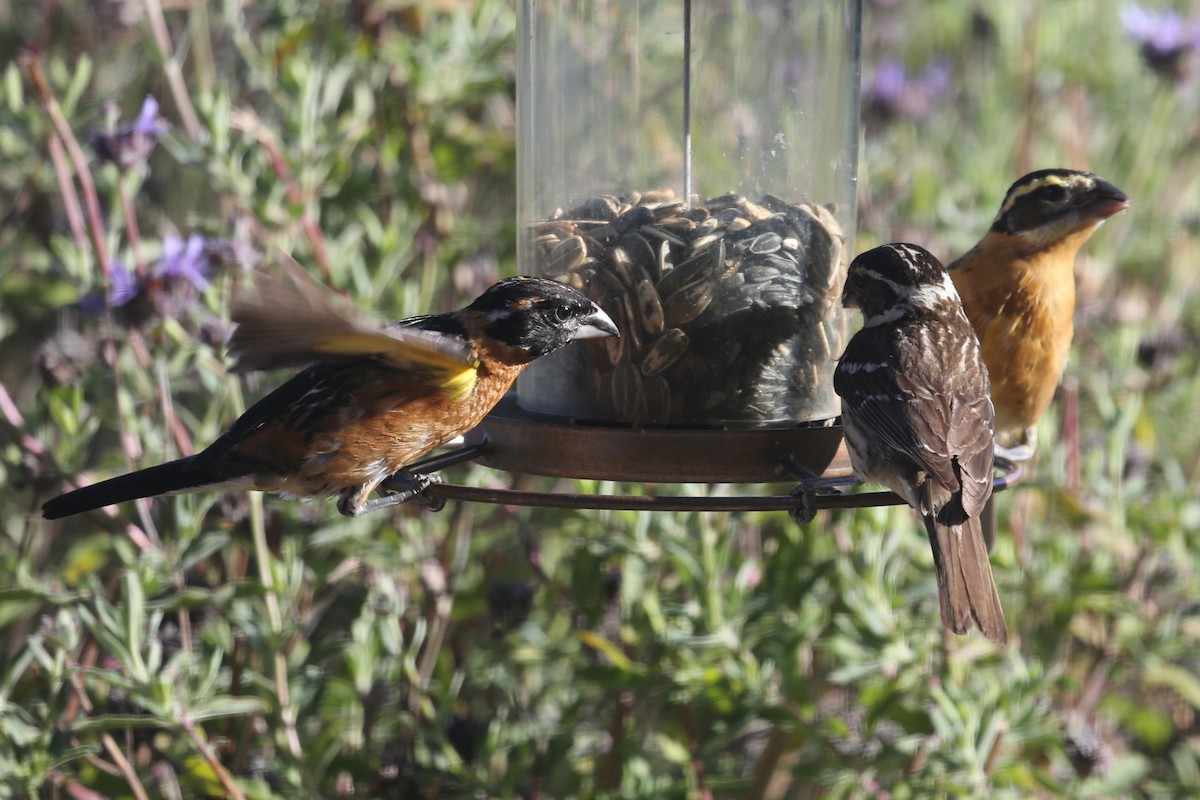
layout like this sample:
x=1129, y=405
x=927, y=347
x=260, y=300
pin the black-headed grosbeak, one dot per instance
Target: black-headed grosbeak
x=1018, y=289
x=917, y=417
x=374, y=399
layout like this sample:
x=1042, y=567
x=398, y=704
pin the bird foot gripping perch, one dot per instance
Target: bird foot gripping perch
x=408, y=486
x=412, y=482
x=1024, y=451
x=809, y=487
x=806, y=493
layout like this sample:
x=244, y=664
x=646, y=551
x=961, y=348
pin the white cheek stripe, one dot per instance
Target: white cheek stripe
x=907, y=298
x=887, y=317
x=934, y=295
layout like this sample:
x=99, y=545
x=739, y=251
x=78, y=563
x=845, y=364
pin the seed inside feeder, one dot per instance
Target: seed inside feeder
x=724, y=308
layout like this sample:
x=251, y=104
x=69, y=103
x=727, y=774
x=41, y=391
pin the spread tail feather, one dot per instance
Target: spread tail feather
x=966, y=588
x=174, y=477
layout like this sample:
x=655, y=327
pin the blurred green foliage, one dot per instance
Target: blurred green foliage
x=231, y=646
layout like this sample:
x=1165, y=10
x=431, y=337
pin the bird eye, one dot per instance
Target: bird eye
x=562, y=313
x=1054, y=193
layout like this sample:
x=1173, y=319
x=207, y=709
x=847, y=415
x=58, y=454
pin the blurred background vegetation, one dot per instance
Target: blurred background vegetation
x=235, y=646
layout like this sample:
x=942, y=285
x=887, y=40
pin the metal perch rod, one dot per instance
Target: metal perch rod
x=1013, y=475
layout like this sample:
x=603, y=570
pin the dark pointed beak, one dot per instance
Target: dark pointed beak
x=851, y=293
x=1103, y=201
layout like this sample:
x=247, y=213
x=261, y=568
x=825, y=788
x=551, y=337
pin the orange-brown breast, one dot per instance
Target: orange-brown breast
x=1022, y=306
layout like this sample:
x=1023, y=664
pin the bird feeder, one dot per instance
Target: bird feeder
x=692, y=168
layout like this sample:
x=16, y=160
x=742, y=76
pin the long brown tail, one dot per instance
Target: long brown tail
x=966, y=588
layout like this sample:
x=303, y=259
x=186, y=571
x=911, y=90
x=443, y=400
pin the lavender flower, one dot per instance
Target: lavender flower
x=1165, y=38
x=123, y=286
x=132, y=143
x=187, y=261
x=171, y=286
x=892, y=92
x=182, y=271
x=149, y=123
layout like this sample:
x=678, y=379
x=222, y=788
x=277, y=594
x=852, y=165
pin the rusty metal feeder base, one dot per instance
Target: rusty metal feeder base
x=563, y=448
x=516, y=441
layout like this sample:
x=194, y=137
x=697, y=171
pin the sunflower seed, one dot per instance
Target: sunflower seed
x=650, y=308
x=664, y=352
x=765, y=243
x=656, y=392
x=627, y=390
x=566, y=256
x=687, y=303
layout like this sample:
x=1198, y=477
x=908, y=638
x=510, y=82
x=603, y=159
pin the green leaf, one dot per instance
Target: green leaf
x=81, y=76
x=14, y=90
x=1185, y=682
x=201, y=548
x=74, y=754
x=110, y=722
x=226, y=706
x=672, y=750
x=610, y=651
x=135, y=625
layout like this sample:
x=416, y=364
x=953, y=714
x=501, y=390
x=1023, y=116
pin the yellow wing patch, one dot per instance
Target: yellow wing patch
x=408, y=349
x=291, y=321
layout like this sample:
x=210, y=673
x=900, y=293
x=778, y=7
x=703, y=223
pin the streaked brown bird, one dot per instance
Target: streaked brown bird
x=375, y=398
x=1018, y=289
x=918, y=418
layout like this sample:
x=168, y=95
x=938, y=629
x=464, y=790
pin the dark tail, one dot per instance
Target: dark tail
x=173, y=477
x=966, y=588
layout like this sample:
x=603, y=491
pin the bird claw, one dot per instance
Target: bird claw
x=1025, y=451
x=805, y=510
x=806, y=493
x=811, y=484
x=407, y=487
x=1022, y=452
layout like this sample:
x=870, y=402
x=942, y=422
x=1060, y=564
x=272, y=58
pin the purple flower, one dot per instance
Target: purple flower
x=133, y=142
x=937, y=78
x=892, y=92
x=185, y=260
x=1165, y=38
x=122, y=287
x=889, y=82
x=149, y=123
x=171, y=286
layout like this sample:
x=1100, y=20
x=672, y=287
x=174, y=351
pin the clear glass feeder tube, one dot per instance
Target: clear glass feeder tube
x=691, y=166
